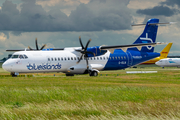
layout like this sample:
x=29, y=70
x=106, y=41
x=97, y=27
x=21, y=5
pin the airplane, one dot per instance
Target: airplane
x=84, y=59
x=163, y=54
x=169, y=62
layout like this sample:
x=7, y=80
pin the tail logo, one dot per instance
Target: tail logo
x=146, y=40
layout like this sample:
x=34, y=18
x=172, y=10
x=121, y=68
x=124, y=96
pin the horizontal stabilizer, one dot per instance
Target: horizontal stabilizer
x=155, y=24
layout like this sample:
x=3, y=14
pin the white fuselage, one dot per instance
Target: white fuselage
x=169, y=62
x=53, y=61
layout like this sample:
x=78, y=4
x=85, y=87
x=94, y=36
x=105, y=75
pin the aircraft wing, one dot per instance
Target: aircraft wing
x=125, y=47
x=15, y=50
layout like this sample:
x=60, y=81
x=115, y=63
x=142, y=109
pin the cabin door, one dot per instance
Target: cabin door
x=129, y=59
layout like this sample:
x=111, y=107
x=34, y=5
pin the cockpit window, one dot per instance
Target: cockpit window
x=14, y=56
x=21, y=57
x=25, y=56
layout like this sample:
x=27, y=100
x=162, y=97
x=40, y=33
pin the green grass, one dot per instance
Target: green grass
x=108, y=96
x=1, y=65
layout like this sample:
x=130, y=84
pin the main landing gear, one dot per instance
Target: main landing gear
x=93, y=73
x=69, y=74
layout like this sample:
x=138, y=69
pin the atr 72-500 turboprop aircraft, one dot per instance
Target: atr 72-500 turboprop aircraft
x=84, y=60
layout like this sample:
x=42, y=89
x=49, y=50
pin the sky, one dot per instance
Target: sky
x=59, y=23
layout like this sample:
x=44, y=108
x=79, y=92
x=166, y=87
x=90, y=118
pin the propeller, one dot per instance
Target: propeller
x=37, y=48
x=84, y=52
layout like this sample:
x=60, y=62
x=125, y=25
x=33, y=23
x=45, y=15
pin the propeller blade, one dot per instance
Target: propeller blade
x=87, y=44
x=87, y=62
x=36, y=44
x=78, y=50
x=43, y=46
x=81, y=42
x=84, y=53
x=30, y=48
x=80, y=59
x=87, y=65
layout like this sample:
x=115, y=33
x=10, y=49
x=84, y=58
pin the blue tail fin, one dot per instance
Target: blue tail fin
x=148, y=35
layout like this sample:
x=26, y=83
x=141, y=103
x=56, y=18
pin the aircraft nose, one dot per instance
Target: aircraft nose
x=157, y=63
x=6, y=66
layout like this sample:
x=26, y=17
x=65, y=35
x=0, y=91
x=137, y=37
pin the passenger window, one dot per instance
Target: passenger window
x=62, y=59
x=52, y=59
x=113, y=58
x=97, y=58
x=68, y=58
x=121, y=57
x=48, y=59
x=116, y=58
x=101, y=58
x=104, y=58
x=55, y=59
x=58, y=59
x=124, y=57
x=74, y=58
x=71, y=58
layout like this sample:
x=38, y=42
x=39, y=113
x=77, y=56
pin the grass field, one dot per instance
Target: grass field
x=111, y=95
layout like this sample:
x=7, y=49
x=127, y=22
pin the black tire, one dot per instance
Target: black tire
x=13, y=75
x=94, y=73
x=69, y=74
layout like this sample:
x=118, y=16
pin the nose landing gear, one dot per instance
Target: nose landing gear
x=14, y=74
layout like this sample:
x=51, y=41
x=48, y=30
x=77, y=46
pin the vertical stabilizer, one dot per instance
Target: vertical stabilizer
x=148, y=36
x=164, y=53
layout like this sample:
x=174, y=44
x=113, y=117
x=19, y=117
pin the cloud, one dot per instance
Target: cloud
x=158, y=10
x=2, y=37
x=171, y=2
x=97, y=15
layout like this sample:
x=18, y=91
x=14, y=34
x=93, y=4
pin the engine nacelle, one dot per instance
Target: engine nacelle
x=82, y=69
x=96, y=51
x=77, y=69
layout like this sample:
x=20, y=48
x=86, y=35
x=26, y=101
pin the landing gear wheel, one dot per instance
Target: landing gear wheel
x=13, y=75
x=69, y=74
x=94, y=73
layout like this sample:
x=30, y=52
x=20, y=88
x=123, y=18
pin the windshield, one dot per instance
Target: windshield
x=19, y=56
x=14, y=56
